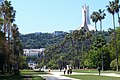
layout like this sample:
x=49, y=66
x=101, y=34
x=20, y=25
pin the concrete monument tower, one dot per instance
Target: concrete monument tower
x=86, y=19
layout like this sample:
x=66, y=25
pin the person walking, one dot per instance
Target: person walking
x=70, y=70
x=60, y=69
x=99, y=70
x=49, y=70
x=64, y=70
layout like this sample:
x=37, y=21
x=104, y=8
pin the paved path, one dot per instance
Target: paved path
x=57, y=75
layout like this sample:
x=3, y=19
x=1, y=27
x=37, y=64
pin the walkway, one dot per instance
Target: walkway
x=57, y=75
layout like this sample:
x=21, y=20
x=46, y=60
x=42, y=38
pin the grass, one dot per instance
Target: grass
x=37, y=78
x=31, y=72
x=86, y=71
x=94, y=71
x=93, y=77
x=33, y=78
x=32, y=75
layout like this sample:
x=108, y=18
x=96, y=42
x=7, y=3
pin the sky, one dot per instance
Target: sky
x=48, y=16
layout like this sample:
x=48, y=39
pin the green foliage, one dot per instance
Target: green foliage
x=94, y=57
x=10, y=45
x=40, y=40
x=88, y=63
x=113, y=64
x=52, y=65
x=69, y=51
x=22, y=62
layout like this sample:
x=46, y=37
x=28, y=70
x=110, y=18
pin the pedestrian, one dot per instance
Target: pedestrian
x=60, y=69
x=99, y=70
x=64, y=70
x=70, y=70
x=49, y=70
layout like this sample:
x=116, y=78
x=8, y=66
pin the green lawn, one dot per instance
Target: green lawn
x=86, y=71
x=93, y=77
x=32, y=75
x=37, y=78
x=31, y=72
x=94, y=71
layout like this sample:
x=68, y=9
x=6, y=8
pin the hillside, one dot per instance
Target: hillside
x=40, y=40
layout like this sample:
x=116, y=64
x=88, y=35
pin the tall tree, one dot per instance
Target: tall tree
x=16, y=44
x=7, y=17
x=111, y=9
x=75, y=36
x=101, y=15
x=94, y=17
x=117, y=7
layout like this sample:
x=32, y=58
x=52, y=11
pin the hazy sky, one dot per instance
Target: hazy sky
x=55, y=15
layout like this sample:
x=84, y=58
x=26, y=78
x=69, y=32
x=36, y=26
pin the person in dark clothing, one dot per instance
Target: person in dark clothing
x=60, y=69
x=64, y=70
x=99, y=70
x=70, y=70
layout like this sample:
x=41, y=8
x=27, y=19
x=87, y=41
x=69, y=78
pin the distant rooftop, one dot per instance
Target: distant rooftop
x=58, y=33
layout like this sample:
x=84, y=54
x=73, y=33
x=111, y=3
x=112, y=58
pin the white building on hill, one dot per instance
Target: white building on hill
x=33, y=52
x=57, y=33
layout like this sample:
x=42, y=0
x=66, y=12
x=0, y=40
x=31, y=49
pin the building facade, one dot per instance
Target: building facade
x=33, y=52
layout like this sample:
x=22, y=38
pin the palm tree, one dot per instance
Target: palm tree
x=101, y=16
x=117, y=6
x=16, y=44
x=5, y=12
x=5, y=5
x=94, y=18
x=111, y=9
x=75, y=35
x=8, y=14
x=81, y=38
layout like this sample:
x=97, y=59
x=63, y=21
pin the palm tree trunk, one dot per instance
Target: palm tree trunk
x=118, y=19
x=95, y=26
x=102, y=61
x=100, y=26
x=5, y=43
x=83, y=54
x=78, y=55
x=101, y=48
x=117, y=66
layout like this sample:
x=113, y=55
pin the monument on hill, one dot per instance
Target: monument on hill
x=86, y=20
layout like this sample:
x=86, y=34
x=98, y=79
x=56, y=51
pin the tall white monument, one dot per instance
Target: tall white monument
x=86, y=19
